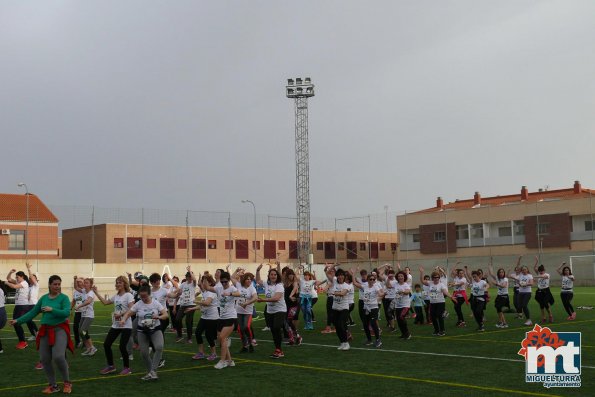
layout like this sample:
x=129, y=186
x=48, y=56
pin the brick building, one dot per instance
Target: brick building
x=127, y=243
x=35, y=234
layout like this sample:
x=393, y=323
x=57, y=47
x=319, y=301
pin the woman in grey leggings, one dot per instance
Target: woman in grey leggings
x=148, y=312
x=54, y=334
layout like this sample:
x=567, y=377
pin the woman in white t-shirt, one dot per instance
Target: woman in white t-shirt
x=502, y=299
x=402, y=303
x=276, y=308
x=459, y=285
x=209, y=319
x=33, y=298
x=245, y=307
x=525, y=280
x=187, y=294
x=478, y=300
x=228, y=316
x=370, y=293
x=566, y=292
x=122, y=301
x=149, y=313
x=543, y=295
x=307, y=292
x=436, y=291
x=340, y=291
x=172, y=300
x=3, y=317
x=78, y=297
x=21, y=302
x=87, y=317
x=159, y=293
x=390, y=284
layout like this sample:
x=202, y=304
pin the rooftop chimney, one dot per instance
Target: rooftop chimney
x=439, y=203
x=524, y=193
x=577, y=187
x=477, y=199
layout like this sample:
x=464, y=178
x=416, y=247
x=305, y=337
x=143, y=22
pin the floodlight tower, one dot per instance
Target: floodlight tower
x=300, y=90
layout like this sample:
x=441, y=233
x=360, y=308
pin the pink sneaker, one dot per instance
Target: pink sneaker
x=212, y=357
x=126, y=371
x=39, y=365
x=198, y=356
x=110, y=369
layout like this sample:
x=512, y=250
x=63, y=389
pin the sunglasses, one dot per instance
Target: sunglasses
x=371, y=279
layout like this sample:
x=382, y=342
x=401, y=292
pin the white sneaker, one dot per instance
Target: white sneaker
x=31, y=338
x=528, y=322
x=231, y=363
x=346, y=347
x=92, y=351
x=266, y=329
x=341, y=346
x=85, y=353
x=221, y=364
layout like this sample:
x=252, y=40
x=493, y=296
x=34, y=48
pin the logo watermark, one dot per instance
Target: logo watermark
x=552, y=358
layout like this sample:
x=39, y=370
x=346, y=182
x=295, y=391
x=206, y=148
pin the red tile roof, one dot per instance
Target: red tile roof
x=560, y=194
x=13, y=207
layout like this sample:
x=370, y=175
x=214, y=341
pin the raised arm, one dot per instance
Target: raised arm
x=31, y=279
x=422, y=273
x=9, y=278
x=258, y=279
x=559, y=269
x=101, y=298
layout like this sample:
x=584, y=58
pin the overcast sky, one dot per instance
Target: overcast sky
x=181, y=104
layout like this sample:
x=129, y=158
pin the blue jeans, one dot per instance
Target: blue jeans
x=306, y=303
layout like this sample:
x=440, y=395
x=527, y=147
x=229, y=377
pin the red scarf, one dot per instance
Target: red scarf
x=50, y=331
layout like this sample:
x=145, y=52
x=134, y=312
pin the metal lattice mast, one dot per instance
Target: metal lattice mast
x=300, y=90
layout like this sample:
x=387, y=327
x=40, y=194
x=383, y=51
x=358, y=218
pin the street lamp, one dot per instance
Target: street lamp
x=21, y=184
x=254, y=242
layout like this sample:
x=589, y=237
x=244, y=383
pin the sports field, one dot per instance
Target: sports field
x=464, y=362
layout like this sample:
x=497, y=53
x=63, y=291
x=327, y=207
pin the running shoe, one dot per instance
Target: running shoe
x=231, y=363
x=277, y=354
x=85, y=353
x=377, y=344
x=266, y=329
x=408, y=336
x=212, y=357
x=368, y=343
x=161, y=363
x=51, y=389
x=125, y=371
x=347, y=347
x=499, y=325
x=327, y=330
x=290, y=342
x=253, y=343
x=67, y=388
x=481, y=329
x=39, y=365
x=1, y=351
x=199, y=356
x=110, y=369
x=528, y=322
x=92, y=351
x=22, y=345
x=341, y=346
x=221, y=364
x=573, y=315
x=442, y=333
x=298, y=340
x=31, y=338
x=436, y=334
x=504, y=325
x=189, y=341
x=150, y=376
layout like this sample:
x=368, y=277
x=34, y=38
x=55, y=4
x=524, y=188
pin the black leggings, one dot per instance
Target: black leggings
x=566, y=298
x=436, y=312
x=388, y=312
x=459, y=310
x=111, y=336
x=371, y=319
x=516, y=302
x=209, y=327
x=478, y=306
x=402, y=320
x=427, y=310
x=524, y=298
x=340, y=318
x=329, y=311
x=277, y=320
x=360, y=309
x=314, y=300
x=75, y=326
x=189, y=321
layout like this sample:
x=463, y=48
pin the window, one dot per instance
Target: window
x=393, y=247
x=256, y=245
x=351, y=250
x=151, y=243
x=118, y=242
x=519, y=228
x=462, y=232
x=199, y=248
x=270, y=249
x=439, y=237
x=543, y=229
x=182, y=244
x=241, y=249
x=505, y=231
x=415, y=237
x=589, y=226
x=476, y=230
x=16, y=240
x=362, y=246
x=134, y=247
x=373, y=250
x=281, y=245
x=329, y=250
x=382, y=246
x=212, y=244
x=293, y=249
x=228, y=244
x=319, y=246
x=341, y=246
x=167, y=248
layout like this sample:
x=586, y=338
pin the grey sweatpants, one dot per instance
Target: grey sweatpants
x=84, y=327
x=56, y=353
x=144, y=340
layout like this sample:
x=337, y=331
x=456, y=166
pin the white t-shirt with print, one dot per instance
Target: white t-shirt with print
x=246, y=294
x=478, y=289
x=160, y=296
x=370, y=295
x=436, y=292
x=145, y=312
x=502, y=290
x=79, y=297
x=341, y=302
x=21, y=296
x=269, y=292
x=524, y=280
x=402, y=298
x=391, y=291
x=543, y=282
x=89, y=310
x=188, y=292
x=227, y=302
x=121, y=306
x=210, y=312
